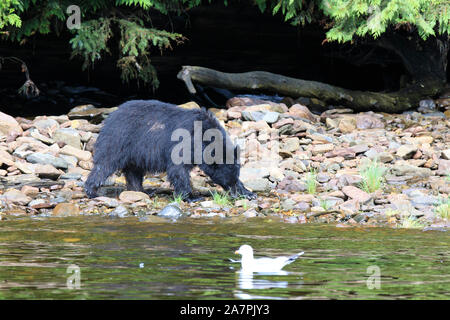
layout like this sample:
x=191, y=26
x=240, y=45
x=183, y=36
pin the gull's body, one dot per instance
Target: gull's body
x=250, y=264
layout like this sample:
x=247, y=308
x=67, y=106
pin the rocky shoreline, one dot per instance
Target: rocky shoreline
x=365, y=169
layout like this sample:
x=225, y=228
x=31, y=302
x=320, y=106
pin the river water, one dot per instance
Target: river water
x=188, y=259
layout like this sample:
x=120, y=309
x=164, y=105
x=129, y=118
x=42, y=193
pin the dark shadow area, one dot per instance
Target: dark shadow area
x=236, y=38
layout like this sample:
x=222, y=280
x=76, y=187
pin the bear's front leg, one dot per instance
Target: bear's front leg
x=180, y=179
x=96, y=178
x=240, y=190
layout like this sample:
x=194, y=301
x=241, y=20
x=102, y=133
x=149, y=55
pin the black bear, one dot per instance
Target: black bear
x=144, y=136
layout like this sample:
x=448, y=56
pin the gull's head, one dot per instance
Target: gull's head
x=245, y=251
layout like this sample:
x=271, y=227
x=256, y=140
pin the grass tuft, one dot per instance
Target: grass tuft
x=222, y=199
x=443, y=209
x=410, y=222
x=373, y=177
x=326, y=205
x=177, y=198
x=311, y=182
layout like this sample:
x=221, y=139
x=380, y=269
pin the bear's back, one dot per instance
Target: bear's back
x=143, y=133
x=153, y=111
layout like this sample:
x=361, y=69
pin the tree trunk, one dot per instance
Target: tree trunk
x=260, y=81
x=423, y=60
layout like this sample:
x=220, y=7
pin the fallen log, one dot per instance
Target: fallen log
x=261, y=81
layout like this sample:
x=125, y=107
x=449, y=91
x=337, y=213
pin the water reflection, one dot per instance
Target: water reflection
x=188, y=260
x=263, y=281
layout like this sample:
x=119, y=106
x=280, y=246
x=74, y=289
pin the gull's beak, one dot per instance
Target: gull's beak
x=236, y=252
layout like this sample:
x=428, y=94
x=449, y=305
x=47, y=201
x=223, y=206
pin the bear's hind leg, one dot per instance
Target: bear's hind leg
x=134, y=179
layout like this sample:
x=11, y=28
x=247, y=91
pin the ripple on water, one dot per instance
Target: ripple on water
x=188, y=259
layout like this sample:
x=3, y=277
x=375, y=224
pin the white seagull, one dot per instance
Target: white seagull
x=250, y=264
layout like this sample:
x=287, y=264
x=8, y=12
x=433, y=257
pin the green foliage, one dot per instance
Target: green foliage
x=135, y=44
x=410, y=222
x=177, y=198
x=91, y=40
x=138, y=38
x=100, y=20
x=222, y=200
x=311, y=182
x=373, y=176
x=346, y=19
x=374, y=17
x=8, y=17
x=443, y=209
x=326, y=205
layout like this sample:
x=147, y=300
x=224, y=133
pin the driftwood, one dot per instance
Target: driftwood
x=28, y=89
x=260, y=81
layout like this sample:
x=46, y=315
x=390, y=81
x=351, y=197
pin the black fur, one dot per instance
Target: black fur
x=136, y=139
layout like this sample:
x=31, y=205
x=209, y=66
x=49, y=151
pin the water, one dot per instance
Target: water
x=131, y=259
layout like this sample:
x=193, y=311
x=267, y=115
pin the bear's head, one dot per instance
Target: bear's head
x=226, y=174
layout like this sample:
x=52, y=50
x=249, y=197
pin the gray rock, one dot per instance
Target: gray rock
x=209, y=204
x=271, y=117
x=350, y=180
x=71, y=160
x=259, y=185
x=435, y=115
x=172, y=210
x=71, y=176
x=120, y=212
x=15, y=196
x=69, y=136
x=21, y=179
x=323, y=177
x=427, y=104
x=385, y=157
x=333, y=168
x=47, y=171
x=395, y=180
x=22, y=151
x=446, y=154
x=267, y=116
x=45, y=124
x=247, y=174
x=109, y=202
x=409, y=170
x=290, y=145
x=359, y=148
x=360, y=217
x=290, y=183
x=394, y=145
x=288, y=204
x=37, y=135
x=251, y=213
x=314, y=135
x=45, y=158
x=36, y=202
x=406, y=151
x=405, y=207
x=252, y=115
x=443, y=167
x=424, y=200
x=333, y=202
x=302, y=206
